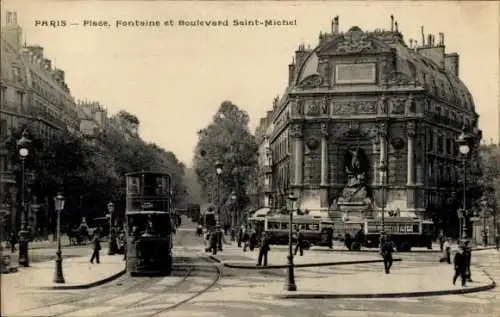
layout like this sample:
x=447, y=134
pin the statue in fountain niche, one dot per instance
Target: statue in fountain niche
x=356, y=167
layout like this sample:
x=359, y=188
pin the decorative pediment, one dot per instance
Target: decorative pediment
x=353, y=43
x=311, y=81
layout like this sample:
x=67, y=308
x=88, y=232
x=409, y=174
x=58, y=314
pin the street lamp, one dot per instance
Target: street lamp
x=485, y=209
x=218, y=170
x=112, y=242
x=59, y=204
x=290, y=283
x=235, y=208
x=464, y=147
x=22, y=145
x=383, y=177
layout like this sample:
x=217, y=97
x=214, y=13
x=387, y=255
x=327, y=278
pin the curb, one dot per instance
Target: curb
x=410, y=252
x=459, y=291
x=284, y=266
x=85, y=286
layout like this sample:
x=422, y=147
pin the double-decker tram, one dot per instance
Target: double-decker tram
x=149, y=226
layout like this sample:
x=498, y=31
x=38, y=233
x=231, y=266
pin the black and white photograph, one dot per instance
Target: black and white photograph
x=166, y=158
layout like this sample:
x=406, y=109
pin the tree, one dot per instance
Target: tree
x=490, y=178
x=193, y=187
x=226, y=139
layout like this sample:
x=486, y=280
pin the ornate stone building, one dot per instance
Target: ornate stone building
x=360, y=98
x=34, y=94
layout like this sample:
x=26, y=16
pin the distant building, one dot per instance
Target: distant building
x=93, y=119
x=360, y=98
x=33, y=94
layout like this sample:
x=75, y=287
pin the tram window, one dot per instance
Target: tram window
x=133, y=185
x=415, y=228
x=284, y=225
x=402, y=228
x=315, y=227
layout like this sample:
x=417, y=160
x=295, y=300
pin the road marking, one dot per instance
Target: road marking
x=128, y=299
x=92, y=311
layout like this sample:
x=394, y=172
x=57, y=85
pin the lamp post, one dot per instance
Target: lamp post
x=464, y=148
x=383, y=176
x=290, y=283
x=112, y=242
x=218, y=170
x=485, y=209
x=59, y=204
x=23, y=151
x=234, y=198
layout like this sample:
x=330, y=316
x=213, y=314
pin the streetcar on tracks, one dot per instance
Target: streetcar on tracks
x=149, y=224
x=405, y=233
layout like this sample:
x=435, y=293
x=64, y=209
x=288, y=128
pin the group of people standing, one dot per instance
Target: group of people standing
x=461, y=260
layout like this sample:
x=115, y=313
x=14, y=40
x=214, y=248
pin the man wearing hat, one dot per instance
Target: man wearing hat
x=460, y=263
x=468, y=255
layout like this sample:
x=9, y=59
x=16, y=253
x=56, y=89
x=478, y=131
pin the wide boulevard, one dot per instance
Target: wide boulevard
x=199, y=287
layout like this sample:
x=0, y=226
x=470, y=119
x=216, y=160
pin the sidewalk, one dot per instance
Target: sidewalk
x=234, y=257
x=44, y=244
x=339, y=246
x=78, y=273
x=413, y=282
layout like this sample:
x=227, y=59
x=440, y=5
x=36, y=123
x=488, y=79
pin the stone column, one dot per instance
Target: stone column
x=324, y=154
x=421, y=153
x=411, y=153
x=296, y=134
x=382, y=132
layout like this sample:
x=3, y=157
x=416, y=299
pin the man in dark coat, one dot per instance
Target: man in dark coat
x=253, y=239
x=263, y=250
x=468, y=255
x=96, y=246
x=497, y=241
x=329, y=232
x=13, y=241
x=245, y=239
x=300, y=243
x=213, y=241
x=240, y=236
x=387, y=250
x=460, y=263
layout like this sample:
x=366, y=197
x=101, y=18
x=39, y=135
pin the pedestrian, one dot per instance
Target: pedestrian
x=460, y=263
x=468, y=256
x=213, y=241
x=96, y=245
x=446, y=251
x=497, y=241
x=13, y=241
x=387, y=250
x=220, y=237
x=233, y=234
x=246, y=239
x=329, y=232
x=263, y=250
x=442, y=240
x=252, y=239
x=300, y=242
x=199, y=231
x=240, y=235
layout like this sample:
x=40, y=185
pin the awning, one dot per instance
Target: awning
x=262, y=212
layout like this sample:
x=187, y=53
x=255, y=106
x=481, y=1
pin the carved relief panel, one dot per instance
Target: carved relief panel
x=348, y=108
x=297, y=107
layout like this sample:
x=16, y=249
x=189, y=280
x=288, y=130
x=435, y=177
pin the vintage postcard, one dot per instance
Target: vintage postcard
x=250, y=158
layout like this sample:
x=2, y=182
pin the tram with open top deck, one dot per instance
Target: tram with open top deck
x=148, y=222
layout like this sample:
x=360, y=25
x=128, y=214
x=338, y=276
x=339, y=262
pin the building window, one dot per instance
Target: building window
x=3, y=127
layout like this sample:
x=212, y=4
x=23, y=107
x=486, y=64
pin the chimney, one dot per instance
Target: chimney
x=441, y=39
x=300, y=55
x=336, y=25
x=59, y=75
x=291, y=73
x=392, y=23
x=423, y=35
x=452, y=63
x=47, y=64
x=429, y=40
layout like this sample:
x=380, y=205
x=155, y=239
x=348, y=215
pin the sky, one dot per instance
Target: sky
x=173, y=78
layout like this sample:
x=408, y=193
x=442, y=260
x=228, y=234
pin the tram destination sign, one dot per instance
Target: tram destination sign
x=149, y=204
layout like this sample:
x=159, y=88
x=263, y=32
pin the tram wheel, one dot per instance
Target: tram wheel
x=356, y=246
